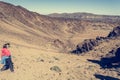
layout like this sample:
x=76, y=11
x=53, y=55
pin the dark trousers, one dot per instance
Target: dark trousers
x=8, y=65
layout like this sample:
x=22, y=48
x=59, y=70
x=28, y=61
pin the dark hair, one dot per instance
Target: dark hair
x=5, y=45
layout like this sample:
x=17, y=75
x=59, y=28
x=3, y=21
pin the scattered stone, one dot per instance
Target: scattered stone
x=69, y=79
x=68, y=61
x=46, y=74
x=78, y=66
x=59, y=73
x=55, y=58
x=55, y=68
x=51, y=61
x=90, y=67
x=40, y=60
x=68, y=73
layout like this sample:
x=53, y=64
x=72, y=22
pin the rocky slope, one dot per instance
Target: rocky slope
x=34, y=28
x=89, y=44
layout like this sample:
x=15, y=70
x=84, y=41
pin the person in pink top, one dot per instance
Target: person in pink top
x=5, y=52
x=6, y=58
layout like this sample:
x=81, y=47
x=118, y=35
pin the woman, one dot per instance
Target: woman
x=6, y=58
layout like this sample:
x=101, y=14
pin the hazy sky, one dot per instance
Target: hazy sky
x=107, y=7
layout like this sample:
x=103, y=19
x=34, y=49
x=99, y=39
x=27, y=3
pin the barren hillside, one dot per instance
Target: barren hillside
x=40, y=46
x=39, y=30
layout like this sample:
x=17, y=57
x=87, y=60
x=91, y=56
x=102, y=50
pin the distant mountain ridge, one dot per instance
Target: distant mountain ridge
x=86, y=16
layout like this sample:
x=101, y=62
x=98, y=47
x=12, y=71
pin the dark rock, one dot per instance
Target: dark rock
x=40, y=60
x=56, y=58
x=86, y=46
x=115, y=32
x=100, y=38
x=117, y=53
x=55, y=68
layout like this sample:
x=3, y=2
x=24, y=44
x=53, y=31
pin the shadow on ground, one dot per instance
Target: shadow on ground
x=111, y=62
x=101, y=77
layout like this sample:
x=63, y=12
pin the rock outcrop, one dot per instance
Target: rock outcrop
x=115, y=32
x=89, y=44
x=86, y=46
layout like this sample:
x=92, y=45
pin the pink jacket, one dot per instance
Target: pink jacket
x=5, y=52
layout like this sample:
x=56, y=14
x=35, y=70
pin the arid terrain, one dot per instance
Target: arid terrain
x=41, y=45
